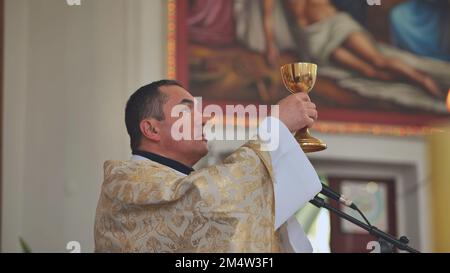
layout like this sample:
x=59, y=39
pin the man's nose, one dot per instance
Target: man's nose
x=200, y=118
x=205, y=120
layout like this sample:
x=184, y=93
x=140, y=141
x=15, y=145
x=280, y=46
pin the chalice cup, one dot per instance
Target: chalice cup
x=301, y=77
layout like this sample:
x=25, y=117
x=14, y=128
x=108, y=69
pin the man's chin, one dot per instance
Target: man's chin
x=200, y=148
x=205, y=148
x=199, y=154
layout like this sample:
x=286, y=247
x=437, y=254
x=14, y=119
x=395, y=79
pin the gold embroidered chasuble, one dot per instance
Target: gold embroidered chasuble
x=145, y=206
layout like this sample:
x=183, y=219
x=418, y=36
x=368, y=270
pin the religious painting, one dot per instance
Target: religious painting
x=386, y=64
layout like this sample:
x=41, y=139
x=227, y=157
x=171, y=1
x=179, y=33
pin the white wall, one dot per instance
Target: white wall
x=68, y=74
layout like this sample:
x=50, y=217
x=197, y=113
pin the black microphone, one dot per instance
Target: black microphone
x=327, y=191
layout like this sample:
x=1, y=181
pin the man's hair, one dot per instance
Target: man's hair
x=146, y=102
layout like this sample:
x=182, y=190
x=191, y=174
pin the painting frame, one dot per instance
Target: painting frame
x=333, y=121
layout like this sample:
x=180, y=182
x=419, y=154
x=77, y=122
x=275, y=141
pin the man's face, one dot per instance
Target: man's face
x=195, y=146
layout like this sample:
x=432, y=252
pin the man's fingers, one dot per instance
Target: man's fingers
x=312, y=113
x=309, y=122
x=297, y=110
x=302, y=96
x=310, y=105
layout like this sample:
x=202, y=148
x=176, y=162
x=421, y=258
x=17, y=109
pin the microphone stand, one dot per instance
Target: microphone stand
x=401, y=243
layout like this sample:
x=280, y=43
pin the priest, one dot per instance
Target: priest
x=156, y=201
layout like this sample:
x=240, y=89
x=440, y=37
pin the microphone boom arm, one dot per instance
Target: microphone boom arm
x=401, y=243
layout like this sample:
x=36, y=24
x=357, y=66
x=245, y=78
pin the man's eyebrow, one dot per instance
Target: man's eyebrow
x=186, y=101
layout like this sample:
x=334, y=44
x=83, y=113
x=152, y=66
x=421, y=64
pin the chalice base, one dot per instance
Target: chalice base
x=308, y=143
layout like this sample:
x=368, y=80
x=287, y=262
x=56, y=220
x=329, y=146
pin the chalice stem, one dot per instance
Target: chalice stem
x=303, y=134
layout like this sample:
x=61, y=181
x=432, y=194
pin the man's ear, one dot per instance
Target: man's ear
x=150, y=130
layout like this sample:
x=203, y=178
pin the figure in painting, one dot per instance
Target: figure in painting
x=422, y=27
x=237, y=46
x=323, y=34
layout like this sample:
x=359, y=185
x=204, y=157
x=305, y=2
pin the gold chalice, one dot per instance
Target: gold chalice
x=301, y=77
